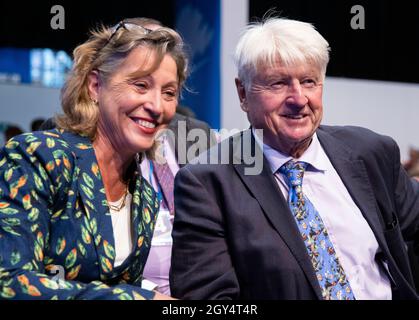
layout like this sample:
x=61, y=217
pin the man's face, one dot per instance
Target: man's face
x=286, y=102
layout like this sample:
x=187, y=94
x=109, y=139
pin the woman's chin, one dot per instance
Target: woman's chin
x=142, y=146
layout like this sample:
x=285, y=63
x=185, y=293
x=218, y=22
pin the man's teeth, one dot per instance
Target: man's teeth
x=146, y=124
x=298, y=116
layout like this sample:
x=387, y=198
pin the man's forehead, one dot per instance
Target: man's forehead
x=279, y=69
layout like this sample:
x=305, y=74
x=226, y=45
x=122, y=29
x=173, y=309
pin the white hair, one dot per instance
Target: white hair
x=274, y=40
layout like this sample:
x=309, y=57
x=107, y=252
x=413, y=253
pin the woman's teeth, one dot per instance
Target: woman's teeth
x=146, y=124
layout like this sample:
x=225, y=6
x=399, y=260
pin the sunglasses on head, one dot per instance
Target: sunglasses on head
x=127, y=26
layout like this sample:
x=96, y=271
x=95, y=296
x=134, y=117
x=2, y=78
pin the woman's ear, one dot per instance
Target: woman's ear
x=93, y=84
x=241, y=91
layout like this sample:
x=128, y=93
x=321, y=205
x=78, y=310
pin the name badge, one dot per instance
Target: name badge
x=162, y=235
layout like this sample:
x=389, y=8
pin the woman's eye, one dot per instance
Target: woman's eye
x=141, y=85
x=170, y=94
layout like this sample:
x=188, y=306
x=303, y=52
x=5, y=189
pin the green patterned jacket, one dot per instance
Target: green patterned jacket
x=54, y=216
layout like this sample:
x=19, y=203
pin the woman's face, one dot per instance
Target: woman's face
x=133, y=109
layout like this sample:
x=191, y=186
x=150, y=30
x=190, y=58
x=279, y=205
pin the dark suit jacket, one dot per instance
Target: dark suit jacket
x=235, y=237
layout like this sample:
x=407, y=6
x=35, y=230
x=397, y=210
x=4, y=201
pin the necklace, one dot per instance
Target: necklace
x=118, y=207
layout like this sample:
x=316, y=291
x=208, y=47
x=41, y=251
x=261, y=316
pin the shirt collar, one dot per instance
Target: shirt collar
x=314, y=155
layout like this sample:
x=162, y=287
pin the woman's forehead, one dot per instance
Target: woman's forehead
x=141, y=57
x=143, y=62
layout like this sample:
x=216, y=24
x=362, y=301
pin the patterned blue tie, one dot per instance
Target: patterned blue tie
x=330, y=274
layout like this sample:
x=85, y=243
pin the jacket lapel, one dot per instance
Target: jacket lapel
x=97, y=223
x=274, y=207
x=354, y=175
x=145, y=206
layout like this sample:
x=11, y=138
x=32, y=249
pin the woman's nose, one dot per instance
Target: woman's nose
x=153, y=103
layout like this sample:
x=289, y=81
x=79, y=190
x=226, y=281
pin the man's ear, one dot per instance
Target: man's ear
x=93, y=84
x=241, y=91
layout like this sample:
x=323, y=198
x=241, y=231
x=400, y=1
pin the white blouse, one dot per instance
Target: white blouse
x=122, y=231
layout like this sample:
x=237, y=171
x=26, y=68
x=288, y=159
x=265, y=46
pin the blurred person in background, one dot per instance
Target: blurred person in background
x=11, y=131
x=412, y=164
x=36, y=124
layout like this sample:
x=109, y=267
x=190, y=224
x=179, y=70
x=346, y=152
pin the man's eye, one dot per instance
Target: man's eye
x=278, y=84
x=308, y=83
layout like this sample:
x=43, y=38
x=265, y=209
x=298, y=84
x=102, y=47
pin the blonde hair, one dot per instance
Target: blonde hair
x=291, y=42
x=104, y=51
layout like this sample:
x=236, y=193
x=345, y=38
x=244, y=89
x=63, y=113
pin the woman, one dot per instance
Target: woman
x=72, y=200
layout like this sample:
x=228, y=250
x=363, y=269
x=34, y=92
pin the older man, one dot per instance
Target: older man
x=327, y=216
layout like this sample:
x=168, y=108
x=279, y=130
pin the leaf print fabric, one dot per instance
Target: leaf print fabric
x=53, y=212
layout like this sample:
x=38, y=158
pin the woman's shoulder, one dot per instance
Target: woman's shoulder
x=55, y=143
x=52, y=139
x=52, y=151
x=31, y=142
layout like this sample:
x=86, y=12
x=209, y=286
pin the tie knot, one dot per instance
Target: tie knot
x=294, y=172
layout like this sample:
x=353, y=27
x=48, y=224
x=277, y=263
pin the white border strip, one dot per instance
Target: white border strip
x=234, y=17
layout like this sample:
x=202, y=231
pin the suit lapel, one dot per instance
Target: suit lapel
x=354, y=175
x=275, y=208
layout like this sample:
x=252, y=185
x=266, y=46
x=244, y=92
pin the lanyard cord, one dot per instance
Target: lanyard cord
x=150, y=177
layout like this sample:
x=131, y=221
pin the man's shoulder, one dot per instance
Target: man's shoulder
x=360, y=142
x=354, y=134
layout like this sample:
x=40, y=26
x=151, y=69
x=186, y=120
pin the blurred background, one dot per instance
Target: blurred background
x=372, y=79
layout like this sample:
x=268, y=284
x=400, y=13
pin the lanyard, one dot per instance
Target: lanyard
x=150, y=177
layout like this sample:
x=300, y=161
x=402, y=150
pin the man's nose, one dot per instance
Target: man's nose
x=296, y=95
